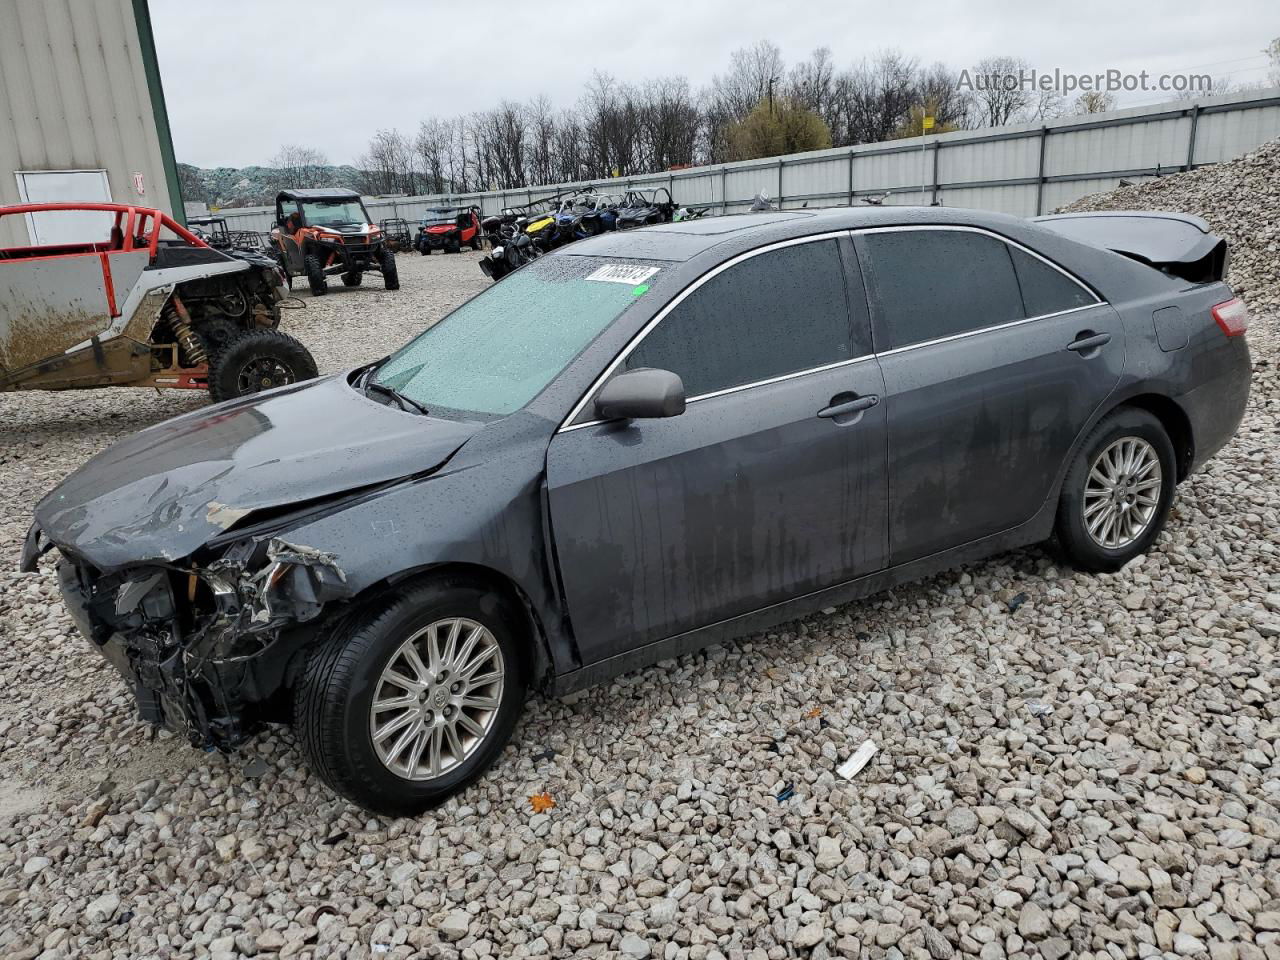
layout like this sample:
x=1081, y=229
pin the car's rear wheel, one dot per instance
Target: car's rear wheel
x=390, y=274
x=477, y=243
x=315, y=275
x=352, y=279
x=257, y=360
x=408, y=703
x=1118, y=491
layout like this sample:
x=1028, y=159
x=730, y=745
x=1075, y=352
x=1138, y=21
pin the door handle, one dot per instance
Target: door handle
x=1086, y=340
x=847, y=407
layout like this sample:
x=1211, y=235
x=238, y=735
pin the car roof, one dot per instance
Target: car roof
x=689, y=238
x=325, y=193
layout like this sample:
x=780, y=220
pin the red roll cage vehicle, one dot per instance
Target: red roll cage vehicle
x=448, y=229
x=153, y=305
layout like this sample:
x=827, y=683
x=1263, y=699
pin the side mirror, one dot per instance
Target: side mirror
x=641, y=395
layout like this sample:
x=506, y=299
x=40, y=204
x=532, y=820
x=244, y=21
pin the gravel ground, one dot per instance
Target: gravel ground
x=1069, y=765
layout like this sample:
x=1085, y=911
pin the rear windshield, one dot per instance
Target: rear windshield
x=498, y=350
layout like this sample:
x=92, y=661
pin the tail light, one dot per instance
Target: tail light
x=1232, y=317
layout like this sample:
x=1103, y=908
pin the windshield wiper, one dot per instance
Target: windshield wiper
x=405, y=402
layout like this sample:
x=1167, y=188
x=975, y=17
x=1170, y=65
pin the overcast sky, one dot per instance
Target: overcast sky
x=243, y=76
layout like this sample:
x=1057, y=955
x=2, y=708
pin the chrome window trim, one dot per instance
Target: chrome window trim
x=567, y=424
x=981, y=330
x=966, y=228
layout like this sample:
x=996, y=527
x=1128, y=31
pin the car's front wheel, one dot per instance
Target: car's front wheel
x=1118, y=491
x=412, y=701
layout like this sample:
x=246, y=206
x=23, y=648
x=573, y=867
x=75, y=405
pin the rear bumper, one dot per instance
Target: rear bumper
x=1216, y=406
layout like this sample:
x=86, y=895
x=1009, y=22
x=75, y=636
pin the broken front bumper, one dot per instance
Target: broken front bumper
x=209, y=654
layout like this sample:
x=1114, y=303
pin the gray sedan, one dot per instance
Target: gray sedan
x=636, y=446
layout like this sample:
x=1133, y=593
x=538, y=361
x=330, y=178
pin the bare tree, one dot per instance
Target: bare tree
x=669, y=123
x=300, y=167
x=387, y=167
x=610, y=128
x=939, y=92
x=877, y=96
x=540, y=156
x=753, y=74
x=432, y=147
x=1094, y=101
x=500, y=141
x=996, y=88
x=811, y=83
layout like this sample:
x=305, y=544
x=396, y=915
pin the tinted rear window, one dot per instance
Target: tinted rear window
x=938, y=283
x=1045, y=289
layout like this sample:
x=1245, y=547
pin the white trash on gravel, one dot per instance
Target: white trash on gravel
x=1140, y=817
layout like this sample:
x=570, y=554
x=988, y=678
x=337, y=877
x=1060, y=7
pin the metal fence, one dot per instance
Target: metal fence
x=1023, y=170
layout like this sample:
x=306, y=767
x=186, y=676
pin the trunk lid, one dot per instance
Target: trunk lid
x=1174, y=243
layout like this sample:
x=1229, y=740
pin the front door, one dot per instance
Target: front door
x=994, y=360
x=770, y=485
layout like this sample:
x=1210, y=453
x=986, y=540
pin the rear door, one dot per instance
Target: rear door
x=994, y=359
x=772, y=482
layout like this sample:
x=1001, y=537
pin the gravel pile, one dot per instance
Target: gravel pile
x=1240, y=200
x=1068, y=765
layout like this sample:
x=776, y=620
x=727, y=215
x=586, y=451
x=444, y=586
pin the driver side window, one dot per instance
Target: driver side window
x=780, y=312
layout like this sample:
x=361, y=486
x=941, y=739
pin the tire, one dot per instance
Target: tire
x=390, y=274
x=241, y=366
x=477, y=243
x=343, y=674
x=315, y=275
x=1124, y=528
x=352, y=279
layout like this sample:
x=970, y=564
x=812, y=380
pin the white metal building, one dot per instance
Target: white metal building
x=82, y=114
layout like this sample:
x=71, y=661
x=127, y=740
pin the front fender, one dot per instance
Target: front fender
x=485, y=513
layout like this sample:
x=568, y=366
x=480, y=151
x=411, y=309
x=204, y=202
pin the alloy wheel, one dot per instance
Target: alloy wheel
x=1122, y=493
x=437, y=698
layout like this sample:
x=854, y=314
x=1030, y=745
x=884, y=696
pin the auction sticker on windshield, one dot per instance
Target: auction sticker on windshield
x=628, y=273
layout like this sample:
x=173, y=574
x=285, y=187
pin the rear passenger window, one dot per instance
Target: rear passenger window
x=775, y=313
x=939, y=283
x=1045, y=289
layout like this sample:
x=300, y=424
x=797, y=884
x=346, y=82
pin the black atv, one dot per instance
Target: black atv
x=323, y=233
x=640, y=209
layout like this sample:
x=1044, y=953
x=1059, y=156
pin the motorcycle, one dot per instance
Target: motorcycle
x=510, y=246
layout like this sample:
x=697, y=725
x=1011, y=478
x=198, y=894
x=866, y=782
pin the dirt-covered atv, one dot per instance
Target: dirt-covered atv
x=324, y=233
x=151, y=306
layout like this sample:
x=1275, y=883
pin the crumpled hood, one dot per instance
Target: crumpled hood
x=166, y=491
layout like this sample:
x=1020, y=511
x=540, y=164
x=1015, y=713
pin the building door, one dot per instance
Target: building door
x=66, y=186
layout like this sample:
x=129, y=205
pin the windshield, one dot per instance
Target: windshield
x=333, y=213
x=498, y=350
x=437, y=217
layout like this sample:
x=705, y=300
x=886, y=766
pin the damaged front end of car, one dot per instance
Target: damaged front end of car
x=208, y=646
